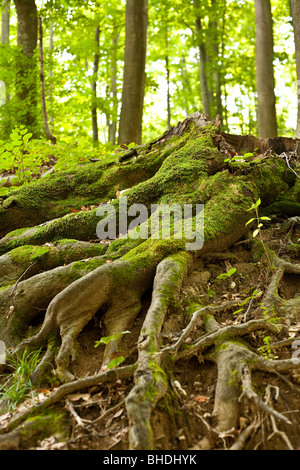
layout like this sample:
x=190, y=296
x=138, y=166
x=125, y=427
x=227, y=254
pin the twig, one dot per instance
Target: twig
x=195, y=318
x=248, y=390
x=74, y=414
x=108, y=412
x=274, y=425
x=288, y=164
x=241, y=440
x=21, y=277
x=209, y=339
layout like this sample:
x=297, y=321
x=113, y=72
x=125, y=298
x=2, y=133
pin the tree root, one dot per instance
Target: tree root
x=272, y=300
x=113, y=285
x=150, y=378
x=75, y=306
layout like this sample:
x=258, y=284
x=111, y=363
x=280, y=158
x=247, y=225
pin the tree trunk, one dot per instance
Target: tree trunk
x=5, y=29
x=48, y=133
x=295, y=7
x=130, y=127
x=27, y=64
x=5, y=22
x=94, y=86
x=50, y=94
x=168, y=92
x=205, y=93
x=112, y=94
x=266, y=109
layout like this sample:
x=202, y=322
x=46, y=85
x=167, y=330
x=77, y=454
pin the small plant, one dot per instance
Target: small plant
x=256, y=293
x=259, y=222
x=266, y=349
x=21, y=155
x=18, y=385
x=106, y=340
x=228, y=274
x=240, y=158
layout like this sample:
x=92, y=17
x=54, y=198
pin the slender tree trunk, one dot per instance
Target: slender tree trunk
x=48, y=133
x=26, y=82
x=168, y=92
x=5, y=22
x=5, y=29
x=130, y=128
x=50, y=93
x=295, y=7
x=94, y=86
x=112, y=94
x=215, y=35
x=266, y=109
x=205, y=94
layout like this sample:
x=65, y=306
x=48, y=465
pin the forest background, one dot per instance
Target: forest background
x=200, y=56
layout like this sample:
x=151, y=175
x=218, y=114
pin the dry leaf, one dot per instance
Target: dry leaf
x=201, y=399
x=118, y=413
x=79, y=396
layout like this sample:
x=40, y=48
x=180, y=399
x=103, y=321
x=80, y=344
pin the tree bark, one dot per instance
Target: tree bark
x=266, y=109
x=94, y=86
x=112, y=93
x=295, y=7
x=5, y=22
x=205, y=95
x=27, y=38
x=130, y=127
x=48, y=133
x=5, y=30
x=50, y=94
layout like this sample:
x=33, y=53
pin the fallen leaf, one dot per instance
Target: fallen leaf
x=79, y=396
x=118, y=413
x=201, y=399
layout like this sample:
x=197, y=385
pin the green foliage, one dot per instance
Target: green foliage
x=266, y=349
x=18, y=385
x=21, y=154
x=228, y=274
x=172, y=65
x=259, y=223
x=108, y=339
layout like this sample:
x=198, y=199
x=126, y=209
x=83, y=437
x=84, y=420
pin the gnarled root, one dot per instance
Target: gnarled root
x=150, y=378
x=71, y=310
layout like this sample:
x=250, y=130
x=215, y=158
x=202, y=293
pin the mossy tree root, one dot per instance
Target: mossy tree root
x=151, y=380
x=71, y=309
x=273, y=301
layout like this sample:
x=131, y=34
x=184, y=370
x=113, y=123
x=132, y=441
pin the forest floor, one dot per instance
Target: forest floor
x=98, y=419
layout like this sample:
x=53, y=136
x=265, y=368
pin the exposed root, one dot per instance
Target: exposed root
x=250, y=393
x=76, y=305
x=111, y=288
x=272, y=300
x=150, y=379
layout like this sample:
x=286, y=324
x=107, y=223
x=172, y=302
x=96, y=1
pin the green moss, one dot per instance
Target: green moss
x=28, y=254
x=51, y=422
x=66, y=241
x=17, y=232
